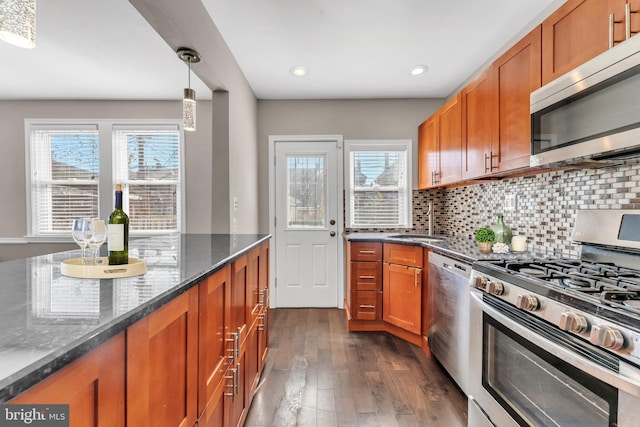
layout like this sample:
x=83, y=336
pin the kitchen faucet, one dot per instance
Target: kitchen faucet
x=430, y=217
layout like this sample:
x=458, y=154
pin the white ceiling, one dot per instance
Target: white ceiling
x=96, y=49
x=93, y=49
x=366, y=48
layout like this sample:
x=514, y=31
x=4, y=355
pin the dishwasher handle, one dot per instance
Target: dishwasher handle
x=454, y=266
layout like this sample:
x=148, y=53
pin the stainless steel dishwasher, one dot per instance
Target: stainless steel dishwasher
x=448, y=315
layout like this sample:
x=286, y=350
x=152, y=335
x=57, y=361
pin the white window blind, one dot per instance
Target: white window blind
x=67, y=176
x=146, y=162
x=64, y=176
x=379, y=188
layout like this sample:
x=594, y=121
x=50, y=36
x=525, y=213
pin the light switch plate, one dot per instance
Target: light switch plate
x=510, y=202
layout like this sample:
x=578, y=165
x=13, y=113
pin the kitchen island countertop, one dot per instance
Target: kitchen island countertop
x=49, y=320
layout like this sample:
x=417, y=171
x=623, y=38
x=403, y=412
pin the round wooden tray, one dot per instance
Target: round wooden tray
x=102, y=270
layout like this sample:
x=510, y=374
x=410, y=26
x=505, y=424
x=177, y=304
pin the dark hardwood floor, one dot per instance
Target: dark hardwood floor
x=319, y=374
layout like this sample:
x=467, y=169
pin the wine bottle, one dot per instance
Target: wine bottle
x=118, y=242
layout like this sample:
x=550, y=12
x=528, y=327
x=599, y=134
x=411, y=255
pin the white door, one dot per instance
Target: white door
x=306, y=224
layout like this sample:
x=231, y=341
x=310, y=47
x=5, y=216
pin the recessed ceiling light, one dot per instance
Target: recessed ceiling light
x=299, y=71
x=419, y=69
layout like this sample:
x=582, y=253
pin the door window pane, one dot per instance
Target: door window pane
x=306, y=191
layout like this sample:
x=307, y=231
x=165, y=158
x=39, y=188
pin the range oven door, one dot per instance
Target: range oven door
x=535, y=375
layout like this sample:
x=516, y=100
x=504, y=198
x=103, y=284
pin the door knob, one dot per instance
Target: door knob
x=332, y=234
x=332, y=222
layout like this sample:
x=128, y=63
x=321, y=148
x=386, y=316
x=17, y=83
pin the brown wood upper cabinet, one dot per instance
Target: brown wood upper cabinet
x=439, y=146
x=515, y=74
x=576, y=32
x=478, y=105
x=496, y=130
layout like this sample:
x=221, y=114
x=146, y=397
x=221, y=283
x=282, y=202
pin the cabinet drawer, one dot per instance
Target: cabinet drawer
x=366, y=251
x=366, y=276
x=366, y=305
x=403, y=254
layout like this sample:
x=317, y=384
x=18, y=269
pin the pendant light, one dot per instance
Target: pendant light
x=18, y=22
x=189, y=56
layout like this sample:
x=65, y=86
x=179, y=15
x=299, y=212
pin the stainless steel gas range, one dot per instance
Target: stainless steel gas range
x=555, y=341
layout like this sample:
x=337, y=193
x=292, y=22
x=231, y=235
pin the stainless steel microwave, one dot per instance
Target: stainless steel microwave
x=590, y=115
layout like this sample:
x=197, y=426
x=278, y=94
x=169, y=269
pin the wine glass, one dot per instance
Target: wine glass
x=79, y=230
x=97, y=236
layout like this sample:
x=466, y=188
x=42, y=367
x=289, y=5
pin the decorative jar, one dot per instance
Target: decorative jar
x=503, y=232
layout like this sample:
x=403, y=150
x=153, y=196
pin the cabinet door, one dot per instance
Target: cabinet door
x=402, y=297
x=236, y=406
x=239, y=280
x=253, y=297
x=450, y=141
x=478, y=111
x=253, y=362
x=263, y=275
x=162, y=358
x=92, y=386
x=573, y=34
x=428, y=152
x=516, y=73
x=213, y=349
x=263, y=336
x=263, y=318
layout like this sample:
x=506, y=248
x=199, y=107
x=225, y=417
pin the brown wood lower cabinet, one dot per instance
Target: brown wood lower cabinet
x=387, y=292
x=196, y=360
x=93, y=386
x=235, y=338
x=402, y=303
x=213, y=350
x=162, y=365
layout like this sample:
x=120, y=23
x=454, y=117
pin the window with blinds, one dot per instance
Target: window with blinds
x=64, y=176
x=68, y=176
x=146, y=161
x=379, y=184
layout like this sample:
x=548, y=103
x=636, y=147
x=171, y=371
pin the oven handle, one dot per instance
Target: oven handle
x=618, y=381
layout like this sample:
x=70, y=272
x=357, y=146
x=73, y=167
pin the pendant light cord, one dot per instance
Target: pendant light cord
x=189, y=77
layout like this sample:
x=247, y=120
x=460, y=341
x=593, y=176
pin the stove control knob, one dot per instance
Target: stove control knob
x=573, y=322
x=527, y=302
x=479, y=282
x=495, y=288
x=607, y=337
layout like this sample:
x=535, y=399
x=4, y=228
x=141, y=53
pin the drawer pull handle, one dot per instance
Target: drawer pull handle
x=368, y=252
x=367, y=306
x=367, y=277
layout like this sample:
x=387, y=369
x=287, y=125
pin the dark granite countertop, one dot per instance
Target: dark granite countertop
x=49, y=320
x=463, y=249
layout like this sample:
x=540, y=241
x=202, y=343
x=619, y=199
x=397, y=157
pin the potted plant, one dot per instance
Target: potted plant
x=485, y=237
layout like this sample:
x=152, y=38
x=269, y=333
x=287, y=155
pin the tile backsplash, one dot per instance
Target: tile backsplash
x=545, y=208
x=546, y=203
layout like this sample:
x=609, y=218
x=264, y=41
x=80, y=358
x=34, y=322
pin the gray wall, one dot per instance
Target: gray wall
x=354, y=119
x=235, y=136
x=198, y=154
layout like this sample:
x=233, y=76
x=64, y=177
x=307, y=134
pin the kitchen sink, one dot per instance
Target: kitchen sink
x=421, y=238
